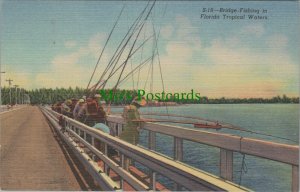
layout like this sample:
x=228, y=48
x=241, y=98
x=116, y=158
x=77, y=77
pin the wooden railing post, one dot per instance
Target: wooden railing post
x=178, y=149
x=152, y=180
x=84, y=135
x=177, y=187
x=119, y=128
x=93, y=144
x=122, y=162
x=151, y=140
x=226, y=164
x=178, y=156
x=295, y=178
x=66, y=124
x=105, y=165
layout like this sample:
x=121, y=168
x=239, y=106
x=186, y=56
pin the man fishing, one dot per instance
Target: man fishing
x=131, y=130
x=78, y=110
x=130, y=113
x=94, y=112
x=66, y=108
x=101, y=111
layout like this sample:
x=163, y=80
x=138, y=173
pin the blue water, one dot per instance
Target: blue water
x=261, y=174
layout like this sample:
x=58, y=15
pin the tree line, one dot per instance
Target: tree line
x=50, y=96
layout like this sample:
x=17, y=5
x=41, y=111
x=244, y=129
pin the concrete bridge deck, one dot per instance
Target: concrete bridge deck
x=34, y=158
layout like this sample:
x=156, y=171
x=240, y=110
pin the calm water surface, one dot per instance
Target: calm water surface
x=259, y=174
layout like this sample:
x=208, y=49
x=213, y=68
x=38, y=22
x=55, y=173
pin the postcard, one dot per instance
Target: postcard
x=149, y=95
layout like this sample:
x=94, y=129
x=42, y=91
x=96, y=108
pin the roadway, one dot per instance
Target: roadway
x=34, y=158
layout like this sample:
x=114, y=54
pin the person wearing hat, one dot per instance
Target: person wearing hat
x=97, y=96
x=77, y=112
x=66, y=108
x=101, y=112
x=131, y=129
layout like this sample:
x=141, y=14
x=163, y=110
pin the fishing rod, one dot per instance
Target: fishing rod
x=132, y=48
x=113, y=71
x=138, y=78
x=175, y=115
x=169, y=121
x=118, y=53
x=222, y=124
x=98, y=85
x=130, y=52
x=141, y=65
x=107, y=40
x=119, y=67
x=136, y=26
x=113, y=57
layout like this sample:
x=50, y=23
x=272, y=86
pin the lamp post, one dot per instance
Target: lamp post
x=9, y=83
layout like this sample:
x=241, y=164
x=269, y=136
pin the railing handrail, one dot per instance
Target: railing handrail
x=283, y=153
x=183, y=175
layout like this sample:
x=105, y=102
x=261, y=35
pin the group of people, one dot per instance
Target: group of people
x=91, y=112
x=87, y=110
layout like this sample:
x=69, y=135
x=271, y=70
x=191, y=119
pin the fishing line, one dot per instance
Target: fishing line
x=224, y=125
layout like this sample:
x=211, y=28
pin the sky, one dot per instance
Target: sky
x=57, y=44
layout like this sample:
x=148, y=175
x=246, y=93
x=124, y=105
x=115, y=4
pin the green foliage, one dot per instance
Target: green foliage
x=50, y=96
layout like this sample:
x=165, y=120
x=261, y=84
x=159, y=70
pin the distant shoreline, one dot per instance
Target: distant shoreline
x=51, y=96
x=179, y=105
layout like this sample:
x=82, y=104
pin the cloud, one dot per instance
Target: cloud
x=245, y=72
x=96, y=44
x=70, y=44
x=221, y=67
x=167, y=31
x=69, y=60
x=226, y=66
x=70, y=69
x=253, y=29
x=277, y=41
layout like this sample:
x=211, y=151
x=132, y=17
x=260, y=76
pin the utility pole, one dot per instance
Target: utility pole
x=20, y=99
x=1, y=87
x=22, y=96
x=9, y=83
x=16, y=86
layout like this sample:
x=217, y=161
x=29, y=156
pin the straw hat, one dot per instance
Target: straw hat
x=140, y=102
x=68, y=102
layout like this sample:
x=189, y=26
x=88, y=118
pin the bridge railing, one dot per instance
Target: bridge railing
x=181, y=174
x=284, y=153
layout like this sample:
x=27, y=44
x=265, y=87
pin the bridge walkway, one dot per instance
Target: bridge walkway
x=34, y=158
